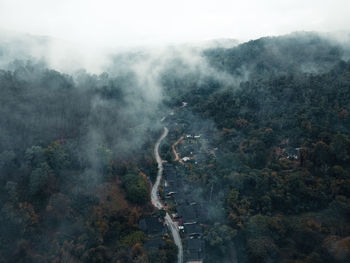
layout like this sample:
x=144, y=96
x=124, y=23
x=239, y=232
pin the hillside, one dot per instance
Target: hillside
x=264, y=125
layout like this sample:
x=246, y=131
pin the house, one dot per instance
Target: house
x=187, y=213
x=193, y=230
x=193, y=250
x=293, y=154
x=152, y=225
x=194, y=255
x=185, y=159
x=287, y=153
x=169, y=190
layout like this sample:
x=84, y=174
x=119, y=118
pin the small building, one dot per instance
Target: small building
x=293, y=154
x=186, y=159
x=288, y=153
x=193, y=230
x=169, y=190
x=187, y=213
x=193, y=250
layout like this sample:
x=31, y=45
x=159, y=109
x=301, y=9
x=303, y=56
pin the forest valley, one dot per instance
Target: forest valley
x=271, y=165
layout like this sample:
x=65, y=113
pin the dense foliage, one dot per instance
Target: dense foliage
x=76, y=151
x=64, y=163
x=282, y=169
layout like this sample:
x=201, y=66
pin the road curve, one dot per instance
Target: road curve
x=156, y=202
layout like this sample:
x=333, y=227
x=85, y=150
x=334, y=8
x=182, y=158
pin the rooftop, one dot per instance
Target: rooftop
x=188, y=213
x=193, y=244
x=193, y=229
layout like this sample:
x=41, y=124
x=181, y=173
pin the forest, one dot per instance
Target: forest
x=282, y=171
x=76, y=153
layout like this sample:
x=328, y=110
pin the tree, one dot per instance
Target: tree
x=11, y=188
x=104, y=157
x=34, y=156
x=232, y=198
x=7, y=161
x=219, y=237
x=321, y=153
x=134, y=238
x=261, y=249
x=57, y=157
x=39, y=179
x=136, y=188
x=340, y=146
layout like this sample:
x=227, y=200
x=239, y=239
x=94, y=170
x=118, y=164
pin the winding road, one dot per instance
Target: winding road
x=156, y=202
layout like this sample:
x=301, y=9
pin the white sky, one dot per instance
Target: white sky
x=138, y=22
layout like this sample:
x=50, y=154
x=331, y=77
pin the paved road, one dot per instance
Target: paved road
x=156, y=202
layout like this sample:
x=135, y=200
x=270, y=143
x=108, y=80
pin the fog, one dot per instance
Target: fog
x=108, y=23
x=91, y=84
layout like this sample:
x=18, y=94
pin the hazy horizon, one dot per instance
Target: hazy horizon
x=110, y=24
x=188, y=131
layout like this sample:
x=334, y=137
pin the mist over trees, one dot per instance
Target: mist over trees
x=76, y=151
x=276, y=137
x=62, y=137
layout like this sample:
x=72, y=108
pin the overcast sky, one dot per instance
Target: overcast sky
x=137, y=22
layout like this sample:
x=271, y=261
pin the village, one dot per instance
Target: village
x=189, y=214
x=179, y=197
x=179, y=194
